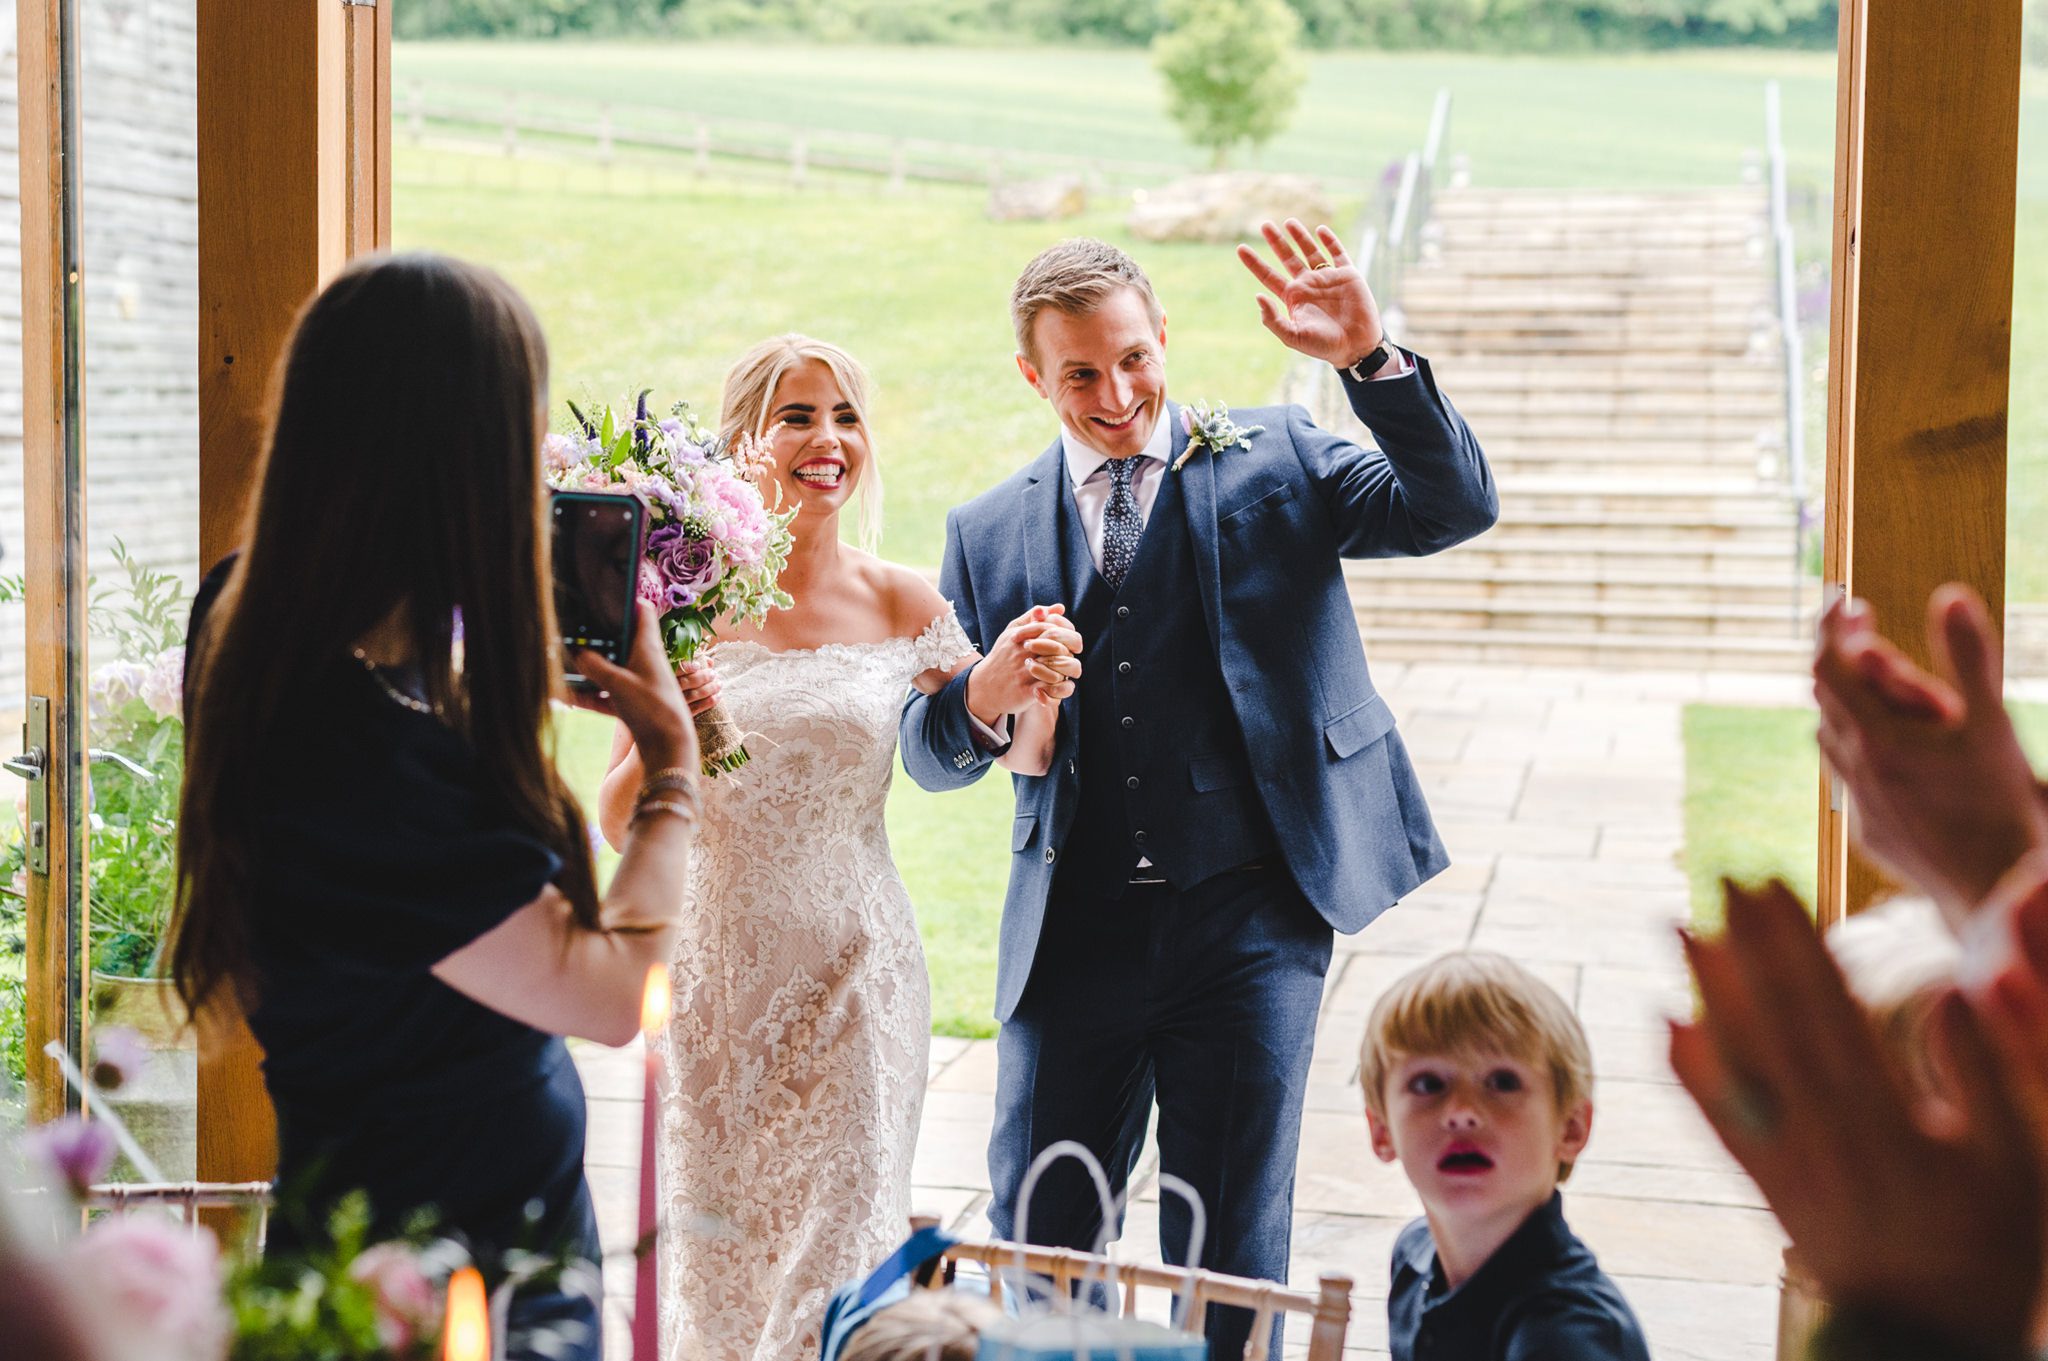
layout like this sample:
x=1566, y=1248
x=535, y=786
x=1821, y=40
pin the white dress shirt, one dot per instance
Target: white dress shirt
x=1088, y=470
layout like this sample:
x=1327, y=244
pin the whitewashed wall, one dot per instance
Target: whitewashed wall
x=140, y=231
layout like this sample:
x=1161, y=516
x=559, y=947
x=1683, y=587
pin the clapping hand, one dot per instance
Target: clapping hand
x=1942, y=794
x=1324, y=309
x=1926, y=1212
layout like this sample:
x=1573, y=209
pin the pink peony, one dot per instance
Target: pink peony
x=651, y=588
x=156, y=1282
x=119, y=1056
x=113, y=685
x=163, y=689
x=408, y=1305
x=559, y=453
x=73, y=1150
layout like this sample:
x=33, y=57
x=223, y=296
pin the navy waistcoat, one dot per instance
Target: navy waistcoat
x=1163, y=771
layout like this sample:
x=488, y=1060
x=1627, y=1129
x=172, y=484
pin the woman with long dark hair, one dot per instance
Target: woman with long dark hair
x=377, y=858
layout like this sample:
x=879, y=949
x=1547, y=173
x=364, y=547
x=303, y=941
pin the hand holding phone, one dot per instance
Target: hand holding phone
x=598, y=539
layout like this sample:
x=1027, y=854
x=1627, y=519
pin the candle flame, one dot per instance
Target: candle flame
x=466, y=1336
x=654, y=1002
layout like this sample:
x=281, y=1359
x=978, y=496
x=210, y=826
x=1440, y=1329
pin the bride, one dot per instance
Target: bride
x=802, y=1018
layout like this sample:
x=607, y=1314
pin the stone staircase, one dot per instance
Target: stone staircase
x=1618, y=356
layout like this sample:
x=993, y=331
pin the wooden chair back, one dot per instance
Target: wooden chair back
x=187, y=1199
x=1329, y=1308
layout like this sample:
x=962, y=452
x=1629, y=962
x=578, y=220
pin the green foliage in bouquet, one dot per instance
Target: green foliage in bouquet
x=316, y=1307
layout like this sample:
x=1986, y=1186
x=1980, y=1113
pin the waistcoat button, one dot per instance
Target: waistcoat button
x=1130, y=722
x=1123, y=668
x=1123, y=611
x=1131, y=783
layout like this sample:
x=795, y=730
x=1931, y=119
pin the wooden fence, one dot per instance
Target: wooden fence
x=604, y=134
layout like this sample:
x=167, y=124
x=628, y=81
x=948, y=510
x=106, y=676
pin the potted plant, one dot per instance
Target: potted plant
x=137, y=733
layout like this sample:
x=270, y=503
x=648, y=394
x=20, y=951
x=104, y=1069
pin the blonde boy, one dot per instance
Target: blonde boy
x=1479, y=1082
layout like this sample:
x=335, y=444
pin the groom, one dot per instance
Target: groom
x=1225, y=784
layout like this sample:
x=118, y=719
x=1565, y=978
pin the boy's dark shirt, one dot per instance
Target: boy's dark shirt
x=1540, y=1297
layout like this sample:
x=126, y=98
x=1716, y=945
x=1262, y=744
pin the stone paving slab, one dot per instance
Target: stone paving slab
x=1559, y=793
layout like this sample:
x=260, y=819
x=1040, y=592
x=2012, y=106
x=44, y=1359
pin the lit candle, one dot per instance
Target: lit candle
x=654, y=1006
x=466, y=1335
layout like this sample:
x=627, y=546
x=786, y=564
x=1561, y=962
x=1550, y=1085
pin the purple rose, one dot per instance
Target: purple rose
x=76, y=1151
x=690, y=567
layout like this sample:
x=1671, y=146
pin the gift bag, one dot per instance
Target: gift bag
x=855, y=1302
x=1061, y=1328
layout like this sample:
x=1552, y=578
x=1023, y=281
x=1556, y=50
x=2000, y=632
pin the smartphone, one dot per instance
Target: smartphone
x=598, y=539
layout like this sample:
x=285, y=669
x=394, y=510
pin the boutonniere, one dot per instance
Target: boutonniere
x=1208, y=426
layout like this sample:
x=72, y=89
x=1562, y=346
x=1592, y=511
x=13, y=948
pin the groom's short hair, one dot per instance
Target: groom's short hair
x=1075, y=277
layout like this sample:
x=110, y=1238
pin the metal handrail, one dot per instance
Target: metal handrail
x=1791, y=342
x=1399, y=235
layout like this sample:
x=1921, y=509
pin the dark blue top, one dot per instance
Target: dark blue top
x=1540, y=1297
x=380, y=850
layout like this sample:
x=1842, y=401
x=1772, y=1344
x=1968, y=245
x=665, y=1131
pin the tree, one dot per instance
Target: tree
x=1231, y=71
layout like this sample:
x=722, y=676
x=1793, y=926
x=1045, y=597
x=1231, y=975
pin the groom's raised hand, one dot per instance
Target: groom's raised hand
x=1319, y=304
x=1036, y=657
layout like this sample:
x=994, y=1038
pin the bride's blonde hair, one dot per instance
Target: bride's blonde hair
x=750, y=388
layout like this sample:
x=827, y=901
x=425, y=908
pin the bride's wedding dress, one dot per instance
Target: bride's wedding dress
x=802, y=1021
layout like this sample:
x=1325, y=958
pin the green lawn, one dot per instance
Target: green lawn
x=652, y=277
x=1613, y=120
x=669, y=283
x=1752, y=803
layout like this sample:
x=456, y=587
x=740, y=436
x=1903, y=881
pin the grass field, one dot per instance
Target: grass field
x=659, y=278
x=1752, y=803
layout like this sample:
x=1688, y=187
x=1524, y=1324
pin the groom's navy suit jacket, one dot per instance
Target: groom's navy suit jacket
x=1269, y=526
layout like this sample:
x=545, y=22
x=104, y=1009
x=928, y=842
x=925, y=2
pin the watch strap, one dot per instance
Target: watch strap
x=1373, y=360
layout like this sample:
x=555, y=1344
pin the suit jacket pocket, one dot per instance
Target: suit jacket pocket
x=1356, y=729
x=1264, y=504
x=1022, y=830
x=1214, y=772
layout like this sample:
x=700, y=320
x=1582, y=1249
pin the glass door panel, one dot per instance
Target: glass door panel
x=130, y=560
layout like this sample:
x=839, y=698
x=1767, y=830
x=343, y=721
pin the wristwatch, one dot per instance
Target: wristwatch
x=1374, y=359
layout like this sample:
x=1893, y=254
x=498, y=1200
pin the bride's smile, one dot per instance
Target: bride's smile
x=819, y=438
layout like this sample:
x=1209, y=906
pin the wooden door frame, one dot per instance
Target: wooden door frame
x=1920, y=345
x=52, y=443
x=294, y=179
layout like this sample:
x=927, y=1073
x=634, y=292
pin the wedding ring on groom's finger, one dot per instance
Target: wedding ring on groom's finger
x=1319, y=264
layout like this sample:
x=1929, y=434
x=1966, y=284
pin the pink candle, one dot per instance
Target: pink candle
x=653, y=1016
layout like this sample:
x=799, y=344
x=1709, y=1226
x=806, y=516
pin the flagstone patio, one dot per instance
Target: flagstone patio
x=1559, y=794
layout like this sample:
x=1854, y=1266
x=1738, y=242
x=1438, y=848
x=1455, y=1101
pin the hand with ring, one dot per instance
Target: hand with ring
x=1316, y=300
x=1924, y=1210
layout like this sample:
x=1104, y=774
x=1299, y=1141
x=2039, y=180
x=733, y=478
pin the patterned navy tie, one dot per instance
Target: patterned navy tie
x=1120, y=523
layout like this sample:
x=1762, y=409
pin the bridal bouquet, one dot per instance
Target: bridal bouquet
x=714, y=548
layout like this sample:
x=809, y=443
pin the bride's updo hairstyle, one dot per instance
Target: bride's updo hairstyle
x=400, y=478
x=750, y=389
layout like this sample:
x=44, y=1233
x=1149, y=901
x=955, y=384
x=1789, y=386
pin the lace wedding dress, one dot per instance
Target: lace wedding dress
x=802, y=1018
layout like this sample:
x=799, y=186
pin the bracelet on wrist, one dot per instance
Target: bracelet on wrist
x=677, y=808
x=678, y=779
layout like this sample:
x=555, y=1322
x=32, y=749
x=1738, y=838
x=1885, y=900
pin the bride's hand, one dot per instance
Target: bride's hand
x=699, y=680
x=644, y=695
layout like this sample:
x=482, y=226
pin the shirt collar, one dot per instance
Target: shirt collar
x=1084, y=462
x=1540, y=1237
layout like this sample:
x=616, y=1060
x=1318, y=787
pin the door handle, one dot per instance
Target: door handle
x=29, y=765
x=100, y=756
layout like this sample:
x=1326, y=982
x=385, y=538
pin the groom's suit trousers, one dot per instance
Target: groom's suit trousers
x=1203, y=999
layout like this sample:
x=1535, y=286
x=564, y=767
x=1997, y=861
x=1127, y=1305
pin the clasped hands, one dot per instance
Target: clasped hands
x=1034, y=662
